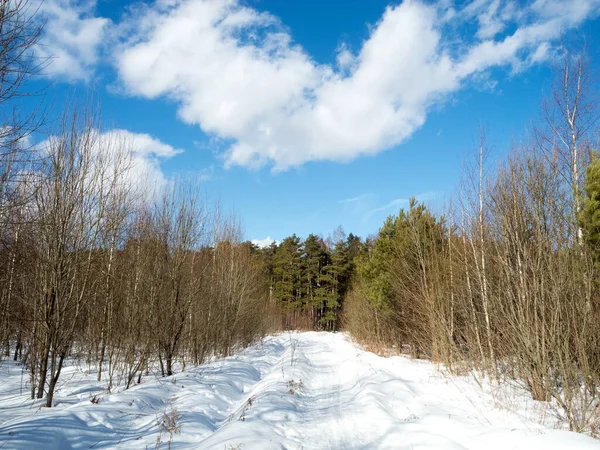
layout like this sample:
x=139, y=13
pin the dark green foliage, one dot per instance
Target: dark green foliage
x=590, y=213
x=309, y=279
x=287, y=272
x=393, y=274
x=315, y=259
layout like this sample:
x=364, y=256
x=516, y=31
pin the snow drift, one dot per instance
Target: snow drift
x=292, y=391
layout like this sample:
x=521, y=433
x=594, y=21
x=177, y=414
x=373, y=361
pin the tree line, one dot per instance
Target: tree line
x=308, y=279
x=95, y=262
x=506, y=280
x=91, y=268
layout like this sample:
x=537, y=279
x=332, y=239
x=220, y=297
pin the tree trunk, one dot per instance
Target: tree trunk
x=43, y=368
x=54, y=379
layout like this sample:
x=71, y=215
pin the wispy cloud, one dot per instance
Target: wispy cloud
x=393, y=204
x=398, y=203
x=358, y=198
x=357, y=205
x=206, y=173
x=73, y=37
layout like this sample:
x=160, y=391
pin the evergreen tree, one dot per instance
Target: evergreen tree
x=268, y=258
x=589, y=218
x=355, y=247
x=339, y=273
x=392, y=273
x=315, y=259
x=311, y=278
x=287, y=273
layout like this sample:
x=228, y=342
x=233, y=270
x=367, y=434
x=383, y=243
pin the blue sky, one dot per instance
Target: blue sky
x=302, y=116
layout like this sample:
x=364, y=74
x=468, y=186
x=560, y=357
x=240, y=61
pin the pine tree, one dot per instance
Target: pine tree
x=393, y=272
x=287, y=274
x=589, y=217
x=315, y=259
x=338, y=275
x=267, y=255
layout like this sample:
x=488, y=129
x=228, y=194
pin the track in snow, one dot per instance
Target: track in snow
x=293, y=391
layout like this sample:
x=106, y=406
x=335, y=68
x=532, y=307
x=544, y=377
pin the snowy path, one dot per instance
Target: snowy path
x=293, y=391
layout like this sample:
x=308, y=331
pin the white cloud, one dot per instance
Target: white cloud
x=490, y=24
x=206, y=173
x=270, y=98
x=345, y=58
x=357, y=205
x=358, y=198
x=72, y=38
x=144, y=172
x=236, y=73
x=136, y=155
x=264, y=243
x=143, y=144
x=399, y=203
x=393, y=204
x=11, y=138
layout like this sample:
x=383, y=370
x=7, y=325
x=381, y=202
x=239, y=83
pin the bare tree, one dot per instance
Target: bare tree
x=70, y=206
x=571, y=115
x=20, y=31
x=178, y=221
x=116, y=202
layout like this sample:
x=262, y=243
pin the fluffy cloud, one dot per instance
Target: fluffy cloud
x=136, y=156
x=144, y=172
x=236, y=72
x=72, y=39
x=264, y=243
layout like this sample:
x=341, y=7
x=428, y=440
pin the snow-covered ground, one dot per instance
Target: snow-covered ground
x=292, y=391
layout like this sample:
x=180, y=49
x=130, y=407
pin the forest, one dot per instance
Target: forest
x=503, y=281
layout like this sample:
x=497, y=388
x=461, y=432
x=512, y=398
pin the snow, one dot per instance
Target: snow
x=264, y=243
x=292, y=391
